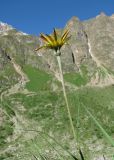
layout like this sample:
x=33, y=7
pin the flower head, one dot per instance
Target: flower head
x=54, y=41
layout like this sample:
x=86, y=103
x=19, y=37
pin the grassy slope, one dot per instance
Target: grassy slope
x=38, y=79
x=47, y=110
x=77, y=78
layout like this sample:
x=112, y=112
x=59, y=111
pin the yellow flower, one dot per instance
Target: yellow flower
x=54, y=41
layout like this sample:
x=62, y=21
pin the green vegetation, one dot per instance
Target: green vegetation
x=78, y=79
x=5, y=131
x=75, y=78
x=36, y=108
x=47, y=109
x=99, y=101
x=103, y=131
x=8, y=77
x=39, y=80
x=43, y=113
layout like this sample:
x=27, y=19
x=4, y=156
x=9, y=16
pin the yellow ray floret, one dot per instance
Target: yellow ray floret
x=54, y=41
x=65, y=35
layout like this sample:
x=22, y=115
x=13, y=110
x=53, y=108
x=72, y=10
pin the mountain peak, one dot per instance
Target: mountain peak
x=72, y=22
x=102, y=14
x=74, y=18
x=5, y=27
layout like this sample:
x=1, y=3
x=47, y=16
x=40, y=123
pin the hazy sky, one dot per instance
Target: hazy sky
x=35, y=16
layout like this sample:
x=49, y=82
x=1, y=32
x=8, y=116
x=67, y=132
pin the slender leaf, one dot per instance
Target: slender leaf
x=35, y=157
x=41, y=132
x=110, y=140
x=81, y=154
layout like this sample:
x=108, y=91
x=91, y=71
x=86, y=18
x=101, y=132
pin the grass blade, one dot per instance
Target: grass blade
x=110, y=140
x=53, y=147
x=41, y=132
x=81, y=154
x=35, y=157
x=42, y=157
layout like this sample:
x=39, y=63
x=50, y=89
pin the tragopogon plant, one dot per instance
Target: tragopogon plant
x=55, y=42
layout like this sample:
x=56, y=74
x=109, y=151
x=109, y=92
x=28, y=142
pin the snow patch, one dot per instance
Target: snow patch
x=4, y=27
x=21, y=33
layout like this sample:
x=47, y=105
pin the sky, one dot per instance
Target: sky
x=35, y=16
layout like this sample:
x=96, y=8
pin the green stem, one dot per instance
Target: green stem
x=65, y=96
x=78, y=121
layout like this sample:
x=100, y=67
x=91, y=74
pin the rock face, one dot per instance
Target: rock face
x=99, y=33
x=91, y=45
